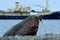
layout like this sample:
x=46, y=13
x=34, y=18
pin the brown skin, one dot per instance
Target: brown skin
x=29, y=29
x=26, y=27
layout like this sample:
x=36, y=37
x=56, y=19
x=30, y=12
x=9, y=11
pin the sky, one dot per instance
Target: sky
x=48, y=26
x=54, y=5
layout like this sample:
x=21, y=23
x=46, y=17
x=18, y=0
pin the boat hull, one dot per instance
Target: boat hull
x=13, y=17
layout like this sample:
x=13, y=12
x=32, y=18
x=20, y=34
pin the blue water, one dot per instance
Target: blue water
x=47, y=26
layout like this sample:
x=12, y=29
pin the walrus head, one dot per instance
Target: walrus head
x=30, y=26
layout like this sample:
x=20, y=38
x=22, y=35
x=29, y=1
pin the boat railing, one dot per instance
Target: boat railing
x=14, y=13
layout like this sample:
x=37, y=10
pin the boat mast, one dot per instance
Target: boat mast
x=46, y=8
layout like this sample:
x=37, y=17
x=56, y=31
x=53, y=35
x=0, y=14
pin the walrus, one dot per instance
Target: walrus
x=27, y=27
